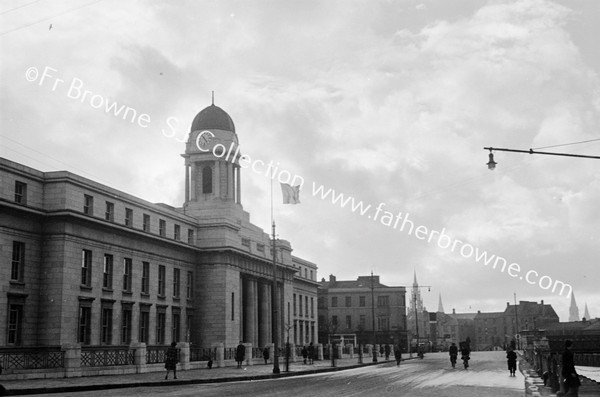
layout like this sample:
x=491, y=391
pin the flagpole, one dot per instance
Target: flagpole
x=274, y=300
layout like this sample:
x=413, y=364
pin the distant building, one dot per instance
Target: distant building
x=347, y=307
x=84, y=263
x=497, y=330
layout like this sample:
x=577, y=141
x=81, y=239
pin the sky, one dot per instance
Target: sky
x=388, y=103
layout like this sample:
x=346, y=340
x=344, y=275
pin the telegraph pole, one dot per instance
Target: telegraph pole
x=275, y=311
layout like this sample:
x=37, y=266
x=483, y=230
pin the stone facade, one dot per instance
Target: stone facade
x=347, y=308
x=87, y=264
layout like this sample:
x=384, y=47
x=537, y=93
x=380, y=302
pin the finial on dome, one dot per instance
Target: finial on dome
x=213, y=97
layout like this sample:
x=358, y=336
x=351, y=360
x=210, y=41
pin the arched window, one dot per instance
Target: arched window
x=207, y=180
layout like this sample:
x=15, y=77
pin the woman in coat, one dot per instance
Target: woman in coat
x=172, y=360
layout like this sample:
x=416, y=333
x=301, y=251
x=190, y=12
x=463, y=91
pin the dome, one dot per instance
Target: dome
x=213, y=118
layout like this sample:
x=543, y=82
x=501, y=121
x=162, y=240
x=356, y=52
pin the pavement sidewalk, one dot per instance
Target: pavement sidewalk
x=195, y=376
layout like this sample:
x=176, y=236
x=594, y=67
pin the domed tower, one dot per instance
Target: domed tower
x=212, y=170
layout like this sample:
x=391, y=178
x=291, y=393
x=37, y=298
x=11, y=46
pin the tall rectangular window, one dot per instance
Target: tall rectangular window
x=177, y=232
x=334, y=301
x=176, y=283
x=176, y=327
x=362, y=321
x=107, y=280
x=86, y=268
x=15, y=324
x=127, y=269
x=334, y=321
x=126, y=315
x=348, y=301
x=144, y=324
x=361, y=301
x=306, y=306
x=295, y=312
x=109, y=214
x=18, y=261
x=190, y=285
x=161, y=321
x=145, y=278
x=188, y=326
x=128, y=217
x=162, y=227
x=312, y=307
x=85, y=325
x=161, y=280
x=88, y=204
x=20, y=192
x=106, y=322
x=190, y=236
x=300, y=305
x=383, y=301
x=146, y=222
x=348, y=322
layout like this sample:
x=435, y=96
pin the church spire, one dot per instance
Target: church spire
x=573, y=310
x=586, y=313
x=440, y=305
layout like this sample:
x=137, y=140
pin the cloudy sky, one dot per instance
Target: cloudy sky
x=383, y=101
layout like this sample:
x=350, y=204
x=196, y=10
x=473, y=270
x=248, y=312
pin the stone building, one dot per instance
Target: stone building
x=85, y=263
x=347, y=308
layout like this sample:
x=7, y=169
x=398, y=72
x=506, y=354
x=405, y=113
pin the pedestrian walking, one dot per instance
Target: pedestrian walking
x=240, y=354
x=398, y=355
x=381, y=351
x=511, y=358
x=171, y=360
x=387, y=350
x=304, y=353
x=311, y=353
x=571, y=378
x=453, y=351
x=266, y=355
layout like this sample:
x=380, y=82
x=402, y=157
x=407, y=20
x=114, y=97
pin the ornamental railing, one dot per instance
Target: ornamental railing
x=156, y=354
x=202, y=354
x=105, y=356
x=32, y=358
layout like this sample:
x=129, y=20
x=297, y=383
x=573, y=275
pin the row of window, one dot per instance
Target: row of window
x=382, y=301
x=304, y=313
x=109, y=215
x=106, y=336
x=383, y=322
x=127, y=272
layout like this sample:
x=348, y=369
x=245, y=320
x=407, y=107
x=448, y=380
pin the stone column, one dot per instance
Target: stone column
x=229, y=180
x=187, y=183
x=249, y=310
x=139, y=357
x=72, y=360
x=193, y=182
x=217, y=180
x=351, y=350
x=184, y=355
x=264, y=315
x=239, y=185
x=219, y=361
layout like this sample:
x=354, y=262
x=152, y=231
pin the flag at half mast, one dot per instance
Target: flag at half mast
x=291, y=194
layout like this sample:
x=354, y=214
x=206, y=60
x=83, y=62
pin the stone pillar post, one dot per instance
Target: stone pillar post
x=184, y=355
x=271, y=348
x=320, y=351
x=351, y=346
x=139, y=357
x=248, y=352
x=193, y=180
x=339, y=349
x=219, y=361
x=72, y=360
x=239, y=185
x=370, y=350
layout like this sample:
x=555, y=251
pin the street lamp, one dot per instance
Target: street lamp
x=492, y=164
x=373, y=315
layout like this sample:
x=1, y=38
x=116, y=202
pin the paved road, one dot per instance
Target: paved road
x=432, y=376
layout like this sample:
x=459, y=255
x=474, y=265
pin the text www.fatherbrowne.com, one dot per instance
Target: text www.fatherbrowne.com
x=402, y=222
